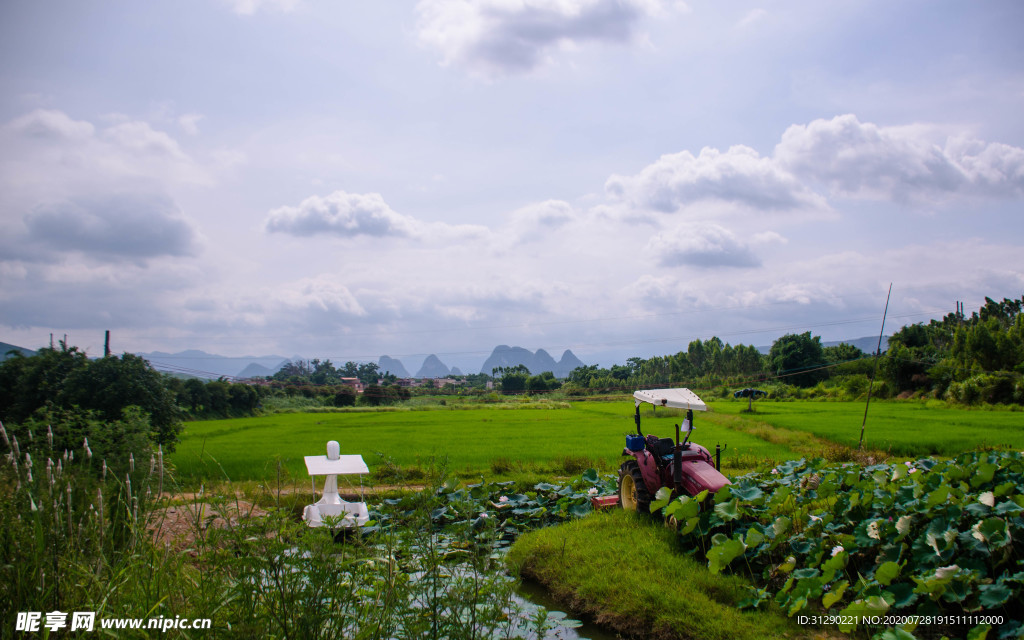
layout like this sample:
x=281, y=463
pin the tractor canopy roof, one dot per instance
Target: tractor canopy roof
x=677, y=398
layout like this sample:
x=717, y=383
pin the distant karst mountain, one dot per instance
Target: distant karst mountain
x=539, y=362
x=433, y=368
x=200, y=364
x=257, y=370
x=6, y=348
x=866, y=344
x=393, y=366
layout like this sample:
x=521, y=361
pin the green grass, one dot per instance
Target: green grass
x=898, y=428
x=492, y=441
x=629, y=574
x=533, y=441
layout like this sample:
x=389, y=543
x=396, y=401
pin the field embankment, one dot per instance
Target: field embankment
x=631, y=576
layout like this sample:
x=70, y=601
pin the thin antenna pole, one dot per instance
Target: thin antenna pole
x=874, y=371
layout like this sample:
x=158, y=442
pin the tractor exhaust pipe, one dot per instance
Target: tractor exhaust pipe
x=718, y=457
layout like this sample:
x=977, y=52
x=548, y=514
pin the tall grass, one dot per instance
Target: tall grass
x=73, y=526
x=80, y=536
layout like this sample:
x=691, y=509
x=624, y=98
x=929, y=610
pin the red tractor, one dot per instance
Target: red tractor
x=684, y=467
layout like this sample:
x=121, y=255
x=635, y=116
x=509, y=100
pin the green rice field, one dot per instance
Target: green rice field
x=563, y=439
x=897, y=428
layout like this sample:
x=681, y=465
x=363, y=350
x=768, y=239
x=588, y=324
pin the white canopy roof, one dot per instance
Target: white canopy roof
x=323, y=466
x=677, y=398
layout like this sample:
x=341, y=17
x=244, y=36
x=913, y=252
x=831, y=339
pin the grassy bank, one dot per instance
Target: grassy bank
x=630, y=575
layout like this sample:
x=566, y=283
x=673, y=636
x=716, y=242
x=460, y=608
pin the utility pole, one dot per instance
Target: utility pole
x=874, y=372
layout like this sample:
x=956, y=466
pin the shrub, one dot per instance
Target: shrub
x=345, y=397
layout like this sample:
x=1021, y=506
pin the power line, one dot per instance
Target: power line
x=705, y=334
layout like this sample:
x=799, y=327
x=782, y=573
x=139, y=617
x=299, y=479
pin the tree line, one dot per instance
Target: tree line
x=964, y=359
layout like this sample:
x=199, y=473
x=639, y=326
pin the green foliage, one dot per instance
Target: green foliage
x=28, y=383
x=65, y=380
x=375, y=395
x=704, y=362
x=72, y=541
x=544, y=382
x=73, y=511
x=315, y=372
x=345, y=397
x=799, y=357
x=927, y=537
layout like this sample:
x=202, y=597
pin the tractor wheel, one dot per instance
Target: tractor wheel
x=633, y=494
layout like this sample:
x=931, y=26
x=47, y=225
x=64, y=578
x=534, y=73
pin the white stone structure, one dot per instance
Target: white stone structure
x=348, y=514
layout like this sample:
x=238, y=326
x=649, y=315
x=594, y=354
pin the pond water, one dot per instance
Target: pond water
x=530, y=594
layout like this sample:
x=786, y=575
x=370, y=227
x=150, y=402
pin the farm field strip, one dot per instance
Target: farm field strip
x=470, y=439
x=898, y=428
x=493, y=441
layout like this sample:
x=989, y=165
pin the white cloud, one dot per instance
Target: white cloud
x=50, y=124
x=739, y=176
x=67, y=185
x=343, y=214
x=539, y=220
x=72, y=293
x=189, y=123
x=349, y=215
x=249, y=7
x=509, y=36
x=319, y=294
x=48, y=155
x=119, y=225
x=751, y=18
x=701, y=245
x=903, y=164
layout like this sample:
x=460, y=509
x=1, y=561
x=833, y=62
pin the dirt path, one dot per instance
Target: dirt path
x=802, y=442
x=190, y=515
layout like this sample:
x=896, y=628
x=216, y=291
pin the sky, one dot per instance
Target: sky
x=347, y=180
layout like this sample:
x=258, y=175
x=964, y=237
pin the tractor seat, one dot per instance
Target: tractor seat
x=661, y=448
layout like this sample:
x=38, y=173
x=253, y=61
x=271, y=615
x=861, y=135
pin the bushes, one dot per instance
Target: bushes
x=997, y=388
x=345, y=397
x=66, y=380
x=375, y=396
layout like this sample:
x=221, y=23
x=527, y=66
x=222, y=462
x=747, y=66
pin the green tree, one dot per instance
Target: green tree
x=111, y=384
x=28, y=383
x=582, y=375
x=368, y=372
x=798, y=357
x=543, y=382
x=197, y=396
x=841, y=352
x=512, y=383
x=345, y=397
